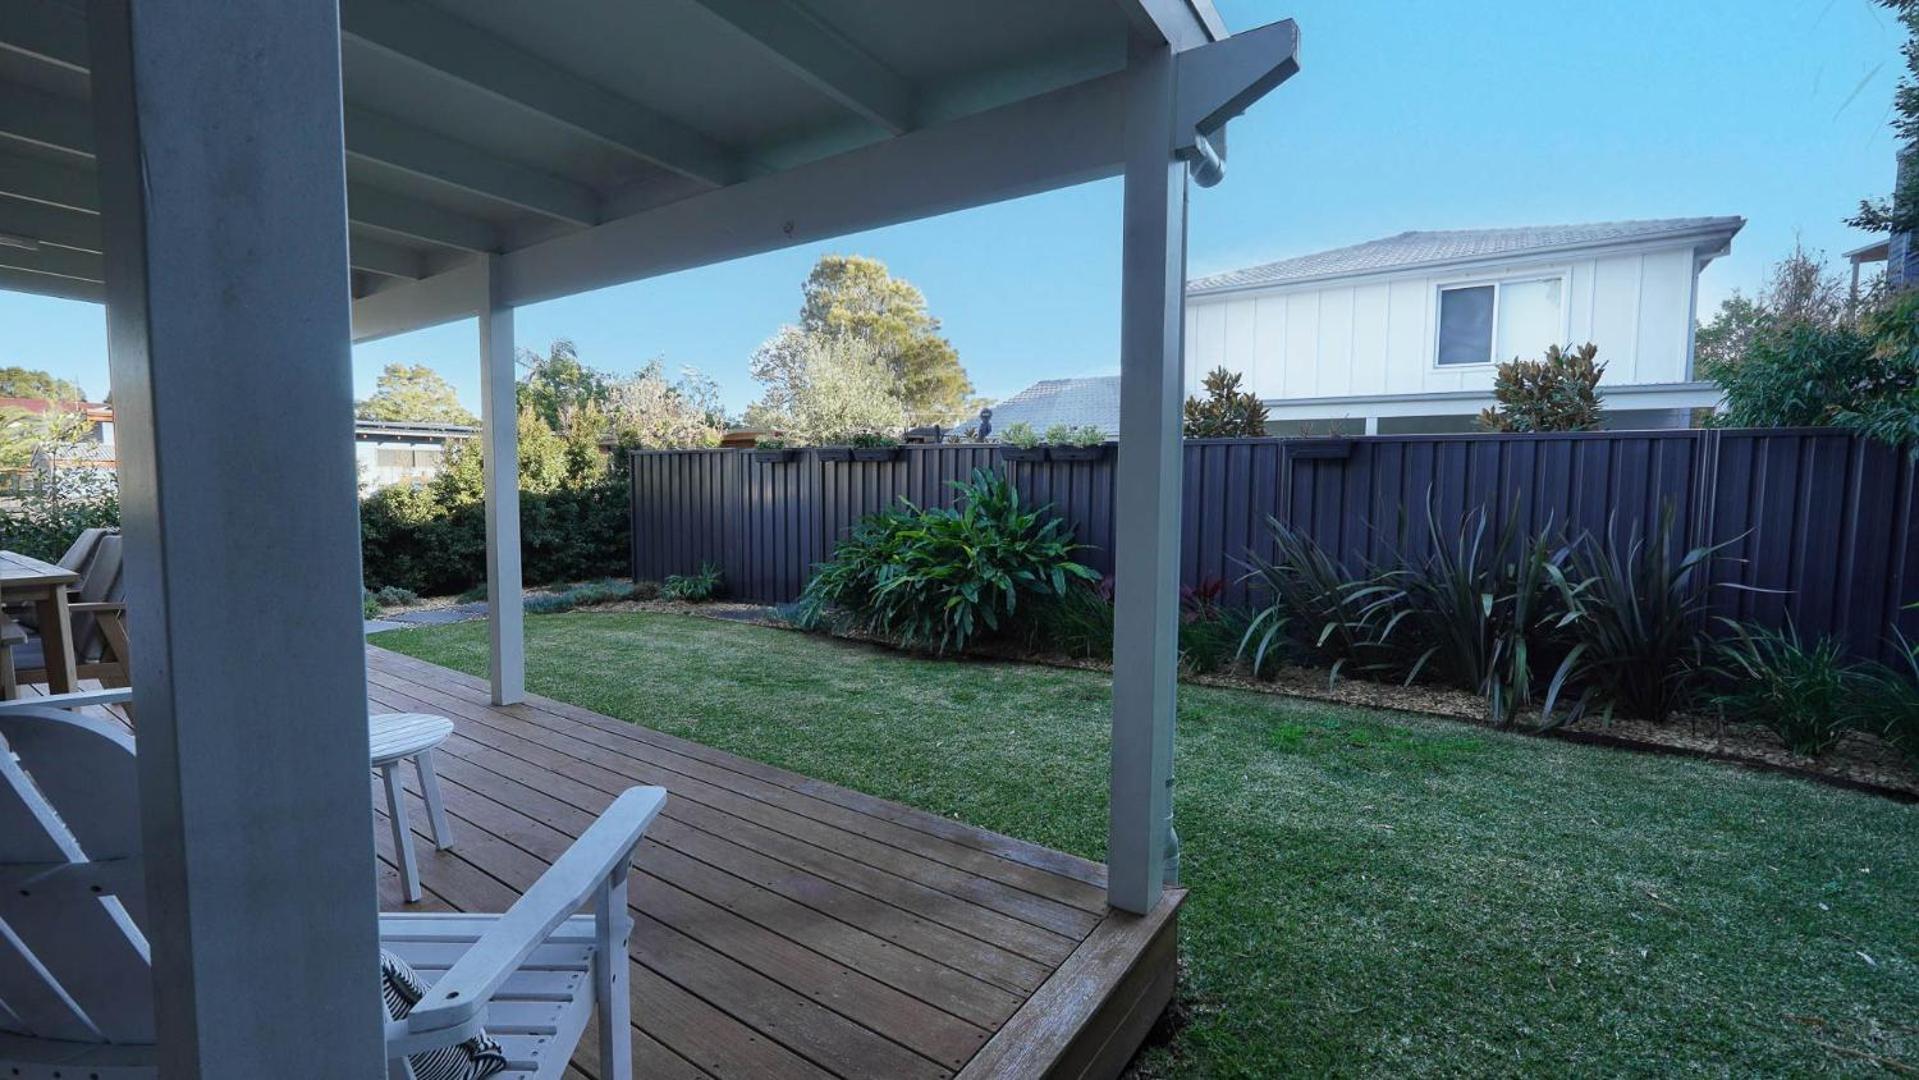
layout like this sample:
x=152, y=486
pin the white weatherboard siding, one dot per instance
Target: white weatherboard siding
x=1366, y=345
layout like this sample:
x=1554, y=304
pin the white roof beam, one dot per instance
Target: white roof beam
x=51, y=224
x=809, y=48
x=459, y=50
x=1181, y=24
x=375, y=137
x=385, y=259
x=30, y=116
x=48, y=182
x=65, y=288
x=54, y=261
x=418, y=220
x=48, y=32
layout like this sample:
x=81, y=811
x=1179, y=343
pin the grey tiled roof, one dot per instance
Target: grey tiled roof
x=1075, y=402
x=1435, y=248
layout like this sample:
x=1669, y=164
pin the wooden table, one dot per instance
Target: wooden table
x=26, y=580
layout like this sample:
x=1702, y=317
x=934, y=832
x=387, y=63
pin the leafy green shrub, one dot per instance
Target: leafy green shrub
x=1558, y=392
x=1019, y=435
x=411, y=538
x=1226, y=411
x=692, y=588
x=939, y=578
x=585, y=594
x=871, y=440
x=395, y=596
x=1801, y=693
x=1085, y=435
x=645, y=590
x=1798, y=375
x=47, y=516
x=772, y=442
x=1638, y=629
x=369, y=607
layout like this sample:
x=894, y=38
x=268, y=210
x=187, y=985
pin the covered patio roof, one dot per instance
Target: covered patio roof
x=248, y=189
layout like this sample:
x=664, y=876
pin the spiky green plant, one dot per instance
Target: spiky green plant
x=1317, y=603
x=1803, y=693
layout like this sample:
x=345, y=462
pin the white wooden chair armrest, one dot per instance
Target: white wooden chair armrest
x=98, y=605
x=79, y=699
x=604, y=849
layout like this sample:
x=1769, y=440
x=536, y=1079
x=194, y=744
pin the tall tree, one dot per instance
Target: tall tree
x=1900, y=212
x=414, y=394
x=19, y=382
x=649, y=412
x=856, y=297
x=560, y=388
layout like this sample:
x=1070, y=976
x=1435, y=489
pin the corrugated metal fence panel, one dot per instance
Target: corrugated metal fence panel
x=1821, y=517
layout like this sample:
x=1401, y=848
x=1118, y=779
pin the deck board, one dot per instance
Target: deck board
x=784, y=926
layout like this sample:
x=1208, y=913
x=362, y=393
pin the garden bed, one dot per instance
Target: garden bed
x=1858, y=761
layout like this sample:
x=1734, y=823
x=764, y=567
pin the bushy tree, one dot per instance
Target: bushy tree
x=1225, y=412
x=19, y=382
x=1797, y=375
x=559, y=387
x=852, y=296
x=1558, y=392
x=845, y=392
x=648, y=411
x=1900, y=212
x=414, y=393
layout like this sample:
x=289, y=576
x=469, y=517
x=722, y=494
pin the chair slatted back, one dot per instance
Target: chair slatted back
x=104, y=580
x=74, y=964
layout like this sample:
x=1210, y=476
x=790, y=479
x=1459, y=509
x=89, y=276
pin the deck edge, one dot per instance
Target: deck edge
x=1092, y=1014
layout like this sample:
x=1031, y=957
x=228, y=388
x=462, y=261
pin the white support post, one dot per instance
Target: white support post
x=223, y=192
x=1142, y=853
x=500, y=436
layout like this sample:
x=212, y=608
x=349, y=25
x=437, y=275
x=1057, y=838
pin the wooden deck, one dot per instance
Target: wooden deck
x=787, y=927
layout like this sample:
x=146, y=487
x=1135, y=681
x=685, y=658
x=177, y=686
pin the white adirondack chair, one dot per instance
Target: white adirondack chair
x=76, y=990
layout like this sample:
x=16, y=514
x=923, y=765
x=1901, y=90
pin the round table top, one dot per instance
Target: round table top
x=400, y=735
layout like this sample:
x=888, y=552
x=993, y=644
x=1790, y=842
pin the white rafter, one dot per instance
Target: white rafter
x=459, y=50
x=803, y=44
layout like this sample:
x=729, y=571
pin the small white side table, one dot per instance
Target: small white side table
x=396, y=737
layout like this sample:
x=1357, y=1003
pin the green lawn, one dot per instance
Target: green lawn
x=1372, y=894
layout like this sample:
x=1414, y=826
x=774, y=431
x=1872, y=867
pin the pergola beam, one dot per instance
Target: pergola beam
x=409, y=217
x=461, y=51
x=51, y=224
x=50, y=33
x=384, y=259
x=64, y=288
x=42, y=119
x=55, y=261
x=1180, y=24
x=48, y=182
x=371, y=136
x=804, y=45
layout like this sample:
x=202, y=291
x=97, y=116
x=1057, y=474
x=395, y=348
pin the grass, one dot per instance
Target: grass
x=1372, y=893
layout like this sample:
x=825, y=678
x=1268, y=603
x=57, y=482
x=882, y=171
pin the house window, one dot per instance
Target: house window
x=1479, y=324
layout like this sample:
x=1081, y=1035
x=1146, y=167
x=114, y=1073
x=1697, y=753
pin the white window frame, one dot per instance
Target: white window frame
x=1499, y=283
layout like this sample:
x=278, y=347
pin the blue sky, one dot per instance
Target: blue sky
x=1406, y=115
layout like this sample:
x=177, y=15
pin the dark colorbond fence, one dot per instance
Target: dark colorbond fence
x=1823, y=516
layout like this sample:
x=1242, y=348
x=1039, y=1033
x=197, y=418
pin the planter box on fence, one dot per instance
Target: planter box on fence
x=875, y=453
x=1076, y=453
x=835, y=453
x=1022, y=453
x=774, y=457
x=1320, y=449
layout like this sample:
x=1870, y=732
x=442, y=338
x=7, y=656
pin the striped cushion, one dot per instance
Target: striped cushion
x=474, y=1059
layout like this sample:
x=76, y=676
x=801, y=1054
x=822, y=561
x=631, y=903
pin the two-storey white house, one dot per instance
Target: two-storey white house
x=1402, y=334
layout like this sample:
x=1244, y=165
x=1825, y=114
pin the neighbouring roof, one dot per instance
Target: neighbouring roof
x=1074, y=402
x=1409, y=250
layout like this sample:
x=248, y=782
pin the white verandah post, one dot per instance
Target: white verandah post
x=500, y=440
x=223, y=191
x=1142, y=854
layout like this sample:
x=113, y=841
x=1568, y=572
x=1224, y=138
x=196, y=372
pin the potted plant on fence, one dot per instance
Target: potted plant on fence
x=774, y=451
x=873, y=446
x=1019, y=442
x=1083, y=443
